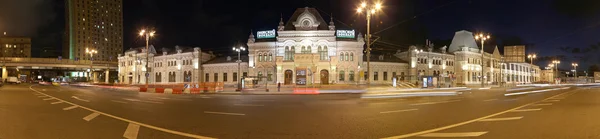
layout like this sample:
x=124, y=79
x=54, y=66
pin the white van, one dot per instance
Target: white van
x=14, y=80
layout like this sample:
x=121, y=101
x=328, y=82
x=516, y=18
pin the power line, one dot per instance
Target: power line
x=416, y=16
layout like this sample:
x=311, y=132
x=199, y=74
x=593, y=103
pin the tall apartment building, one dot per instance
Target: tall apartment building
x=514, y=54
x=15, y=46
x=93, y=24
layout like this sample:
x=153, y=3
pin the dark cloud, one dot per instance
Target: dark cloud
x=24, y=17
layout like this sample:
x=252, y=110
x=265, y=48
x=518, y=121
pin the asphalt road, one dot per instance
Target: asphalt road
x=66, y=112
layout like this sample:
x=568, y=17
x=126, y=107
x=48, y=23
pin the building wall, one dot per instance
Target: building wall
x=15, y=46
x=95, y=25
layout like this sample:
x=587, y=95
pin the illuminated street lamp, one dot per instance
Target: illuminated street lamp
x=482, y=38
x=91, y=52
x=531, y=57
x=147, y=35
x=574, y=69
x=239, y=50
x=556, y=62
x=369, y=9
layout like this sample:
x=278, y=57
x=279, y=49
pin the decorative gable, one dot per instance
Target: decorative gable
x=306, y=21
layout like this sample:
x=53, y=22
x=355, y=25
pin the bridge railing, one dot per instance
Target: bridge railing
x=52, y=61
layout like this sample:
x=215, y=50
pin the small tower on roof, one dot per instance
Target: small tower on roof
x=281, y=26
x=251, y=37
x=331, y=24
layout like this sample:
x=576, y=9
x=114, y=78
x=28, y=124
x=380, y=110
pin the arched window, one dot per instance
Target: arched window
x=293, y=52
x=346, y=57
x=351, y=56
x=341, y=56
x=260, y=57
x=287, y=53
x=259, y=76
x=342, y=75
x=270, y=57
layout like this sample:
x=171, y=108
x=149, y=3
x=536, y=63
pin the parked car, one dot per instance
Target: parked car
x=13, y=80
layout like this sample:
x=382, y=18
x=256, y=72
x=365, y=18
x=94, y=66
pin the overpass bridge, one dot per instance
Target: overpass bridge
x=73, y=70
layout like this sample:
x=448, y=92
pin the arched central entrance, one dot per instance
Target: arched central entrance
x=324, y=77
x=288, y=75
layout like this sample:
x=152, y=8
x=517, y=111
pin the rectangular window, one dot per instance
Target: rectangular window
x=385, y=76
x=206, y=77
x=235, y=77
x=216, y=78
x=366, y=75
x=224, y=77
x=244, y=74
x=375, y=76
x=351, y=75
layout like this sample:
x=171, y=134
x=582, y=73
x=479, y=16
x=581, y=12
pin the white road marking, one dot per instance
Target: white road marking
x=484, y=88
x=251, y=105
x=204, y=97
x=91, y=116
x=552, y=100
x=438, y=102
x=225, y=113
x=490, y=100
x=536, y=91
x=80, y=99
x=383, y=112
x=118, y=101
x=58, y=102
x=461, y=123
x=526, y=110
x=69, y=108
x=542, y=104
x=132, y=131
x=137, y=100
x=457, y=134
x=49, y=99
x=134, y=122
x=500, y=119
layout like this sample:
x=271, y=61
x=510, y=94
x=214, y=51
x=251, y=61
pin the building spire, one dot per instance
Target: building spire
x=251, y=37
x=331, y=24
x=281, y=25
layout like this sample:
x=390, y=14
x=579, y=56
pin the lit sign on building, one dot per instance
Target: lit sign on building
x=345, y=34
x=265, y=34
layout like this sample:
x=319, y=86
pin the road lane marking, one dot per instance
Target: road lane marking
x=80, y=99
x=131, y=121
x=118, y=101
x=526, y=110
x=225, y=113
x=132, y=131
x=251, y=105
x=438, y=102
x=383, y=112
x=69, y=108
x=536, y=91
x=457, y=134
x=462, y=123
x=490, y=99
x=137, y=100
x=542, y=104
x=552, y=100
x=49, y=99
x=58, y=102
x=91, y=116
x=500, y=119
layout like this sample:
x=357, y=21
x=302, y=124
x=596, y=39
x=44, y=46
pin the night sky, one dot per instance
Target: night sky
x=564, y=29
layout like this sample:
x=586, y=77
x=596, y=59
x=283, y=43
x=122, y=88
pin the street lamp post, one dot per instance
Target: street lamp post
x=91, y=52
x=483, y=38
x=147, y=35
x=239, y=51
x=369, y=9
x=556, y=62
x=575, y=69
x=531, y=57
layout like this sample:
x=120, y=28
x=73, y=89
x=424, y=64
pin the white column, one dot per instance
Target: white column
x=106, y=76
x=4, y=73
